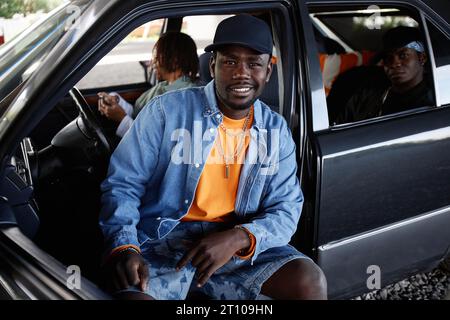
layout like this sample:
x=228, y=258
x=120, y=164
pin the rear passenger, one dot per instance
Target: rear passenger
x=176, y=63
x=404, y=58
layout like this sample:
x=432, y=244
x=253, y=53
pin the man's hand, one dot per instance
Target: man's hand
x=128, y=268
x=213, y=251
x=108, y=105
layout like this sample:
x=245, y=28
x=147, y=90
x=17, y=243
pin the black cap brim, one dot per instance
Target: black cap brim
x=217, y=46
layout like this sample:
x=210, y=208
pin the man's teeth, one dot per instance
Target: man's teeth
x=241, y=90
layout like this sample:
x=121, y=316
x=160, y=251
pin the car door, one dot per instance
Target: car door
x=382, y=204
x=102, y=26
x=29, y=273
x=26, y=271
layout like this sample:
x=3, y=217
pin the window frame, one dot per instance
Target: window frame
x=439, y=102
x=86, y=57
x=417, y=11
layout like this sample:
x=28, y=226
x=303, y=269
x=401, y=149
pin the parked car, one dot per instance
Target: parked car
x=376, y=191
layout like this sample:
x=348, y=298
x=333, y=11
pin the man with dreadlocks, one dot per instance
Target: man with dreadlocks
x=176, y=62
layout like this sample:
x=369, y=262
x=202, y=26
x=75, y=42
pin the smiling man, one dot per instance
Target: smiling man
x=219, y=221
x=404, y=58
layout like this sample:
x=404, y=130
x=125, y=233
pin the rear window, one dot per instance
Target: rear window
x=359, y=30
x=358, y=82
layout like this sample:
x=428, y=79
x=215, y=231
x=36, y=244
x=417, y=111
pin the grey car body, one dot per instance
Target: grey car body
x=376, y=191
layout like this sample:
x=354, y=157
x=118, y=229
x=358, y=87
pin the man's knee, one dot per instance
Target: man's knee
x=310, y=280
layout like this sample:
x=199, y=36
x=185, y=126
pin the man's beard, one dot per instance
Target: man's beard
x=240, y=106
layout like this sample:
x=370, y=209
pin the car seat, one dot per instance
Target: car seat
x=348, y=83
x=203, y=65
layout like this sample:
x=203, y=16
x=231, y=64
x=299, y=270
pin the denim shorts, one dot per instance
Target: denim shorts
x=236, y=280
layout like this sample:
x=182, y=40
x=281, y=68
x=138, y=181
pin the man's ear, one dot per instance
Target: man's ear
x=269, y=70
x=212, y=65
x=423, y=58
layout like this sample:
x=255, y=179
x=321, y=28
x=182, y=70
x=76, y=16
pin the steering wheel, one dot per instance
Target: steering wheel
x=90, y=121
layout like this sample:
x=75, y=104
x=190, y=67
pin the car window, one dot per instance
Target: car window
x=121, y=66
x=359, y=83
x=362, y=29
x=201, y=29
x=22, y=55
x=441, y=50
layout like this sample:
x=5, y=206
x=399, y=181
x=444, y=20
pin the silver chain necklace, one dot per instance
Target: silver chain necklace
x=240, y=146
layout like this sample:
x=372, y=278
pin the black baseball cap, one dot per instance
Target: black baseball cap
x=396, y=38
x=243, y=30
x=400, y=37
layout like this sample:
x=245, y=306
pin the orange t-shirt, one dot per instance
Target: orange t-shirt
x=216, y=191
x=215, y=195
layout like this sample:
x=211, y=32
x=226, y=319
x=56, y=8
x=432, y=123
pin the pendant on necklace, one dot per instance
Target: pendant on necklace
x=227, y=170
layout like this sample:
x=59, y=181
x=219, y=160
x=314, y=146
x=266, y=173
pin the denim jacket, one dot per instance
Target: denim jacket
x=154, y=172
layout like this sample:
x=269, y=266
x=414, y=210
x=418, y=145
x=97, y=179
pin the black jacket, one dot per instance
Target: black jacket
x=373, y=101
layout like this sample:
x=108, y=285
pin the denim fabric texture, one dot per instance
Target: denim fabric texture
x=236, y=280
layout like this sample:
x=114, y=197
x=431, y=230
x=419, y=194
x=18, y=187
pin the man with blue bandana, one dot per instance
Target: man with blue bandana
x=406, y=87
